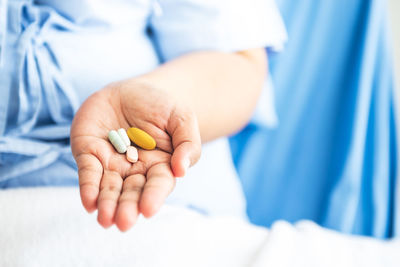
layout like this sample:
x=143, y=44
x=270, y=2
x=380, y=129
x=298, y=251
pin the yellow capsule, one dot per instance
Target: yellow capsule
x=141, y=138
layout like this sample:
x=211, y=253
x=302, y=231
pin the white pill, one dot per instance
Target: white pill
x=132, y=154
x=124, y=136
x=116, y=141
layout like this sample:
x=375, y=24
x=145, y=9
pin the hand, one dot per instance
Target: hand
x=119, y=189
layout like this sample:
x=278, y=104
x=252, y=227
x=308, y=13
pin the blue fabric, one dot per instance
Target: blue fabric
x=332, y=158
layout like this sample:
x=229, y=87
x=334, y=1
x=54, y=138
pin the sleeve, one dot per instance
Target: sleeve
x=183, y=26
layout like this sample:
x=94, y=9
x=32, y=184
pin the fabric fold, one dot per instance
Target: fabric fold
x=42, y=100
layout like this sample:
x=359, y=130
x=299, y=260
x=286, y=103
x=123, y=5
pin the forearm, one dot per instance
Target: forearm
x=221, y=88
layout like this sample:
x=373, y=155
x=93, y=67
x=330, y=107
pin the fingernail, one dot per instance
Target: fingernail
x=186, y=164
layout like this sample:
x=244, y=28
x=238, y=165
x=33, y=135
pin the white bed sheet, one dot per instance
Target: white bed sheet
x=48, y=227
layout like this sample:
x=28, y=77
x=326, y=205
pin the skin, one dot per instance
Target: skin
x=192, y=99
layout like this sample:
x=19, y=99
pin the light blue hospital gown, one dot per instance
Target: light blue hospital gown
x=55, y=53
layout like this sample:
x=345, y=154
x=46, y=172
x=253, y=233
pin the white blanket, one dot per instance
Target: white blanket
x=48, y=227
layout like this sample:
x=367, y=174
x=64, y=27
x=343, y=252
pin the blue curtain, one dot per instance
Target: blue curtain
x=332, y=158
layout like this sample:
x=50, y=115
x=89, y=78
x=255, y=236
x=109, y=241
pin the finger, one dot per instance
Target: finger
x=186, y=141
x=90, y=172
x=160, y=183
x=110, y=190
x=128, y=204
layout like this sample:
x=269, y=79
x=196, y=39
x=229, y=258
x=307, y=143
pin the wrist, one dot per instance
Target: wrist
x=172, y=93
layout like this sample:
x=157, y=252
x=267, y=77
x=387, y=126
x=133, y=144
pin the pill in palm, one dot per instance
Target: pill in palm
x=141, y=138
x=117, y=141
x=132, y=154
x=124, y=136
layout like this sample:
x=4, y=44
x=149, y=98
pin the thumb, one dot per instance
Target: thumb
x=186, y=141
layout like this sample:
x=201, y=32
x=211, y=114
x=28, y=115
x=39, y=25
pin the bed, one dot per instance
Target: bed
x=49, y=227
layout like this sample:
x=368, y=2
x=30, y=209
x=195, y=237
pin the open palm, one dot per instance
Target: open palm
x=119, y=189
